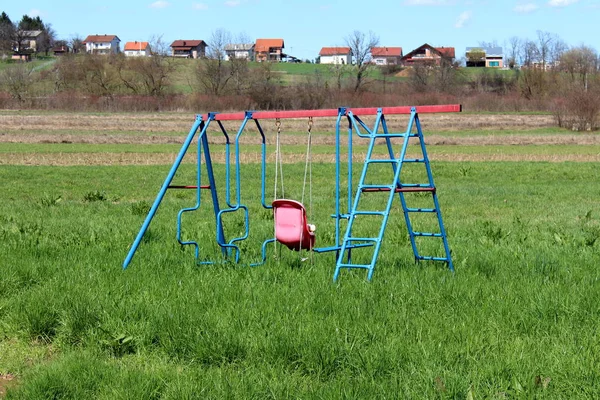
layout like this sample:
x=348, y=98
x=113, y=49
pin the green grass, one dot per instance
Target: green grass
x=518, y=319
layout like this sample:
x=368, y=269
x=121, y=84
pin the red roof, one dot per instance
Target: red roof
x=386, y=52
x=188, y=43
x=447, y=52
x=133, y=46
x=263, y=45
x=100, y=38
x=335, y=51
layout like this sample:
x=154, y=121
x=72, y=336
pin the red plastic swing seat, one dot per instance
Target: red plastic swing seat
x=291, y=227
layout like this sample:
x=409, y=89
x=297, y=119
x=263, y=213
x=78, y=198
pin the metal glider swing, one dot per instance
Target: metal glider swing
x=291, y=225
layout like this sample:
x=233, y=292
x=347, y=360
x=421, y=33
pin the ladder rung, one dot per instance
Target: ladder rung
x=393, y=135
x=382, y=213
x=413, y=160
x=425, y=210
x=350, y=266
x=382, y=187
x=429, y=258
x=342, y=216
x=402, y=189
x=427, y=234
x=382, y=160
x=362, y=239
x=336, y=248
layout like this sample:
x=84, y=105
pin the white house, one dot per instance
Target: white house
x=335, y=55
x=241, y=50
x=102, y=44
x=137, y=49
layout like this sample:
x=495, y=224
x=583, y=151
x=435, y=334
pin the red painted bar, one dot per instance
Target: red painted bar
x=333, y=112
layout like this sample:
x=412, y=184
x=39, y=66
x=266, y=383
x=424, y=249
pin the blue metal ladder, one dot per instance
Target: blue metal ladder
x=395, y=185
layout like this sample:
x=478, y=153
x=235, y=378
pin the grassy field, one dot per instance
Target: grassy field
x=518, y=319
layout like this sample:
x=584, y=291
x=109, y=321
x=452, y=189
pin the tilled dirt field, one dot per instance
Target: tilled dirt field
x=144, y=129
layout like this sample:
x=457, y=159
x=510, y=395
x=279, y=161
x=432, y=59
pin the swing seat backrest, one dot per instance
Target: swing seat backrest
x=291, y=227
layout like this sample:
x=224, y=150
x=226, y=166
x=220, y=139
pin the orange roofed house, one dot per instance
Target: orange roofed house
x=429, y=55
x=268, y=50
x=386, y=55
x=188, y=48
x=137, y=49
x=335, y=55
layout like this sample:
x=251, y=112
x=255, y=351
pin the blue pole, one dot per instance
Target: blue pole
x=163, y=189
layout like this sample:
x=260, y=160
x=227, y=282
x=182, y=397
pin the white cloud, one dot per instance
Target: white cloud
x=426, y=2
x=200, y=6
x=35, y=13
x=525, y=8
x=463, y=19
x=561, y=3
x=159, y=4
x=233, y=3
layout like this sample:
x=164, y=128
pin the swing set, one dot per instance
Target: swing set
x=291, y=223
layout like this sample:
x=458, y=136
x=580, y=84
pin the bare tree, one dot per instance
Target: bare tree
x=513, y=51
x=528, y=52
x=146, y=75
x=544, y=45
x=47, y=39
x=361, y=45
x=158, y=47
x=214, y=73
x=580, y=63
x=18, y=81
x=76, y=44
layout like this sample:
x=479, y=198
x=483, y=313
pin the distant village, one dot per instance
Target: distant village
x=273, y=50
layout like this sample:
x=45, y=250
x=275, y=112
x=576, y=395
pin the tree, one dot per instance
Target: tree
x=146, y=75
x=213, y=73
x=7, y=33
x=476, y=58
x=513, y=51
x=18, y=81
x=528, y=52
x=579, y=63
x=77, y=45
x=46, y=40
x=361, y=45
x=544, y=44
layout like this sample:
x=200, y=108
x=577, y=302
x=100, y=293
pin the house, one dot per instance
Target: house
x=268, y=50
x=189, y=48
x=386, y=55
x=428, y=55
x=27, y=41
x=102, y=44
x=241, y=50
x=137, y=49
x=488, y=57
x=61, y=50
x=335, y=55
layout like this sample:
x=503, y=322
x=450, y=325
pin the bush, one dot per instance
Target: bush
x=578, y=110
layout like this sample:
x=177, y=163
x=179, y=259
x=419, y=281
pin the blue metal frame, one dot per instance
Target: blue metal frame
x=343, y=244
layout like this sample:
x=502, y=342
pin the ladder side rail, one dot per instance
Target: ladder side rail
x=398, y=184
x=198, y=124
x=341, y=113
x=435, y=198
x=346, y=243
x=396, y=168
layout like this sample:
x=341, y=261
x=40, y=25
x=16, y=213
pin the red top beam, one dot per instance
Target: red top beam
x=333, y=112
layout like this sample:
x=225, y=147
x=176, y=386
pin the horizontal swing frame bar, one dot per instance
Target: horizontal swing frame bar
x=331, y=112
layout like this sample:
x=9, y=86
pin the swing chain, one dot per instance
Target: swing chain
x=278, y=125
x=310, y=124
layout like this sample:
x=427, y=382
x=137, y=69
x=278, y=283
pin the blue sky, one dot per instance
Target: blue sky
x=308, y=25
